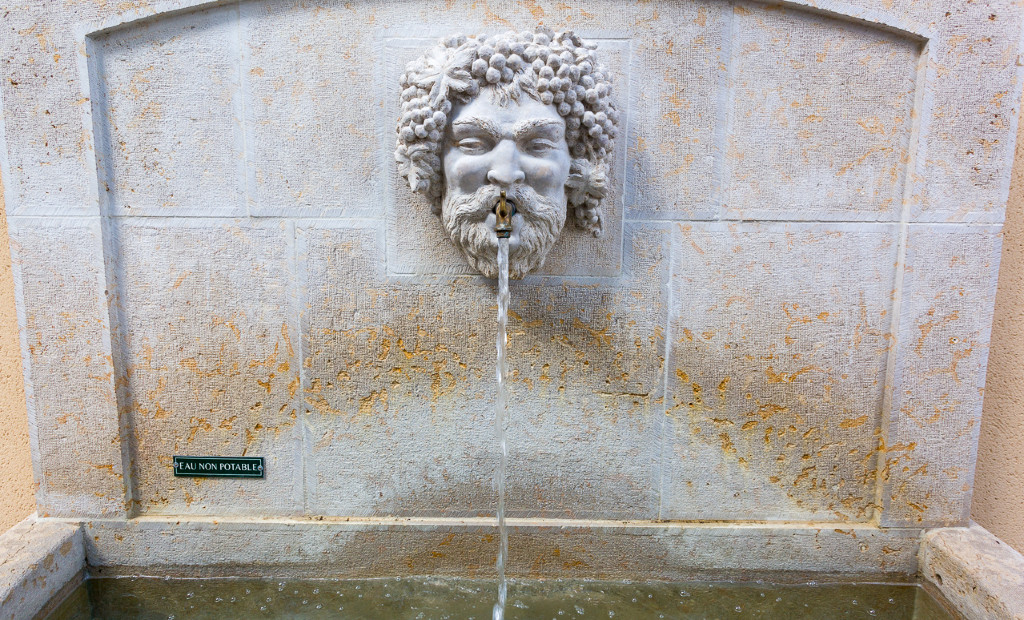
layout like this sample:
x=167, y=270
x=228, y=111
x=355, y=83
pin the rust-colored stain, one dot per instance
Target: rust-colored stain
x=853, y=422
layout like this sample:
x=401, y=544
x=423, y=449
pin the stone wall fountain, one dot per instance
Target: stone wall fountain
x=756, y=348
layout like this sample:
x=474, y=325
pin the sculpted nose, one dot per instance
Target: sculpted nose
x=504, y=167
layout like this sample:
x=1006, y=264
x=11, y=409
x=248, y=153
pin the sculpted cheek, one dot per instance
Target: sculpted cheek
x=546, y=176
x=465, y=172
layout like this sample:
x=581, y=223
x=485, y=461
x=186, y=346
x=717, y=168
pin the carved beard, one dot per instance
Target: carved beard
x=540, y=221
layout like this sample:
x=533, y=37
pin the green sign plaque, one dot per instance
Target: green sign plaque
x=219, y=466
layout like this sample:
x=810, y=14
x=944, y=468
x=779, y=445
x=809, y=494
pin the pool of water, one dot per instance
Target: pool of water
x=425, y=598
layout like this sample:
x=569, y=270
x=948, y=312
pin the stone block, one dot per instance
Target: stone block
x=74, y=429
x=38, y=558
x=820, y=118
x=968, y=114
x=208, y=363
x=312, y=103
x=540, y=548
x=169, y=120
x=399, y=386
x=779, y=338
x=673, y=156
x=934, y=409
x=44, y=138
x=978, y=573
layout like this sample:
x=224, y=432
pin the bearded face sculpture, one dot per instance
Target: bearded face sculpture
x=529, y=114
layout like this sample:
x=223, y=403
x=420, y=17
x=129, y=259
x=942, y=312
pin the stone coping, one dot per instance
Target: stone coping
x=539, y=548
x=979, y=574
x=38, y=558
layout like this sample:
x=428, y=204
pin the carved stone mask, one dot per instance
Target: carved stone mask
x=527, y=113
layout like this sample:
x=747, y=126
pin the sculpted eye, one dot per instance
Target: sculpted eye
x=540, y=146
x=472, y=146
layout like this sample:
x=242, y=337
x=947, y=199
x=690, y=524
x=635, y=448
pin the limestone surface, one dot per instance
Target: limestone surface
x=981, y=575
x=539, y=548
x=37, y=559
x=786, y=319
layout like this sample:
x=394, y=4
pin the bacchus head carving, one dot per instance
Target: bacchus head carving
x=527, y=113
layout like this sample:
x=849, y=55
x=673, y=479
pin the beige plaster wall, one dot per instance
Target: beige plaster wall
x=999, y=482
x=16, y=500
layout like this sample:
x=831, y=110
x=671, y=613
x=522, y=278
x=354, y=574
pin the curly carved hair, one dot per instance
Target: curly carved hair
x=558, y=69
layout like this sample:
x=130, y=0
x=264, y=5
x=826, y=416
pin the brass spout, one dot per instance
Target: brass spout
x=503, y=212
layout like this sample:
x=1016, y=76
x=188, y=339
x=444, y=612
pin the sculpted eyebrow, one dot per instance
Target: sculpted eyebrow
x=495, y=130
x=544, y=123
x=477, y=123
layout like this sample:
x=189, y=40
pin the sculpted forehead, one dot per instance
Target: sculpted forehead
x=511, y=118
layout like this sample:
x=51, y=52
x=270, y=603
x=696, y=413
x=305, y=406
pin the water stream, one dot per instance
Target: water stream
x=500, y=407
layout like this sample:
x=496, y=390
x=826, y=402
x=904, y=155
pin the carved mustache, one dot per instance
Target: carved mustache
x=540, y=220
x=480, y=204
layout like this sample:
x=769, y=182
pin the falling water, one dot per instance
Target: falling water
x=500, y=407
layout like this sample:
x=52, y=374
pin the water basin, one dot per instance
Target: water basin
x=429, y=598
